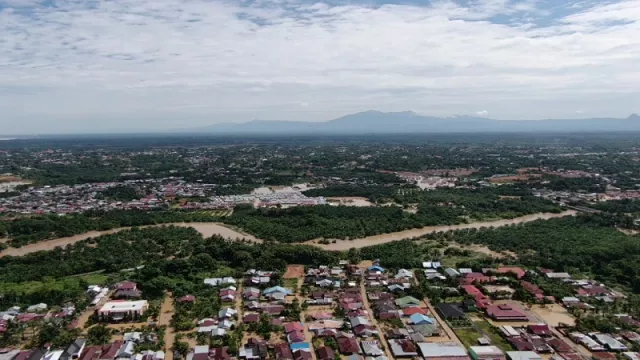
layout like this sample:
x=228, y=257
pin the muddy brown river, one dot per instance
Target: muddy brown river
x=209, y=229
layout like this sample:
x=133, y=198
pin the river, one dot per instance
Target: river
x=342, y=245
x=205, y=228
x=209, y=229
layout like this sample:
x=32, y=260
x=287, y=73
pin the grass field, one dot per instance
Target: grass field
x=470, y=335
x=290, y=283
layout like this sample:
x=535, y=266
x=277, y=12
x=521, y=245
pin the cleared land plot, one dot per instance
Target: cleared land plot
x=294, y=272
x=553, y=314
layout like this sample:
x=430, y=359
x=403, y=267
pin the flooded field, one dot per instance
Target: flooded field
x=206, y=229
x=412, y=233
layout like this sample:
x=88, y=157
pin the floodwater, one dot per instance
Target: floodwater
x=342, y=245
x=206, y=229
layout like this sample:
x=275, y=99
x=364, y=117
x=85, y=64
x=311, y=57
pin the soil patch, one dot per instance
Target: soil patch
x=553, y=314
x=294, y=272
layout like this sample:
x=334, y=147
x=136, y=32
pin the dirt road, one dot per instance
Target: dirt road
x=82, y=319
x=443, y=324
x=374, y=321
x=206, y=229
x=342, y=245
x=166, y=313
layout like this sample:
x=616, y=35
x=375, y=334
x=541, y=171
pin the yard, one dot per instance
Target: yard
x=479, y=327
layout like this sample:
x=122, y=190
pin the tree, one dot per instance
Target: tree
x=99, y=334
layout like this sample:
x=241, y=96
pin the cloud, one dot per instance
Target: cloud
x=148, y=64
x=482, y=113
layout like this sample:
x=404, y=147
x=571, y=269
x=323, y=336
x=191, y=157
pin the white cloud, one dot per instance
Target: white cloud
x=136, y=64
x=482, y=113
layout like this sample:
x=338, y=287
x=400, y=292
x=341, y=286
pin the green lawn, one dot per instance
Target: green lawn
x=493, y=334
x=94, y=278
x=469, y=336
x=290, y=284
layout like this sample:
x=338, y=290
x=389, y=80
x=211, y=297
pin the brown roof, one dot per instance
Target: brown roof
x=326, y=353
x=283, y=352
x=348, y=345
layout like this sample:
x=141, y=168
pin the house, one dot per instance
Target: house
x=324, y=283
x=118, y=310
x=276, y=290
x=451, y=272
x=348, y=345
x=407, y=301
x=426, y=330
x=126, y=286
x=326, y=353
x=227, y=295
x=228, y=281
x=523, y=355
x=610, y=343
x=413, y=310
x=375, y=269
x=295, y=336
x=438, y=351
x=450, y=311
x=37, y=308
x=227, y=313
x=396, y=288
x=127, y=294
x=540, y=330
x=404, y=274
x=251, y=318
x=283, y=352
x=302, y=355
x=293, y=326
x=74, y=350
x=431, y=264
x=187, y=299
x=365, y=330
x=358, y=320
x=586, y=341
x=371, y=348
x=489, y=352
x=213, y=281
x=517, y=271
x=254, y=349
x=403, y=348
x=557, y=275
x=505, y=312
x=419, y=319
x=272, y=309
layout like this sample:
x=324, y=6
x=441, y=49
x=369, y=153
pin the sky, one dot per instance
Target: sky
x=144, y=65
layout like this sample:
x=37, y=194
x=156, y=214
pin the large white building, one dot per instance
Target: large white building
x=123, y=310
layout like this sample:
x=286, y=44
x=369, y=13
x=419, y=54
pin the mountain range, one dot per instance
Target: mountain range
x=376, y=122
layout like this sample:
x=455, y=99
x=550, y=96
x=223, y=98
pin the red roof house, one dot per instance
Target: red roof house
x=348, y=345
x=506, y=312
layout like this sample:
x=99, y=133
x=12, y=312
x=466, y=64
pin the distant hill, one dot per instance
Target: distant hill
x=371, y=122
